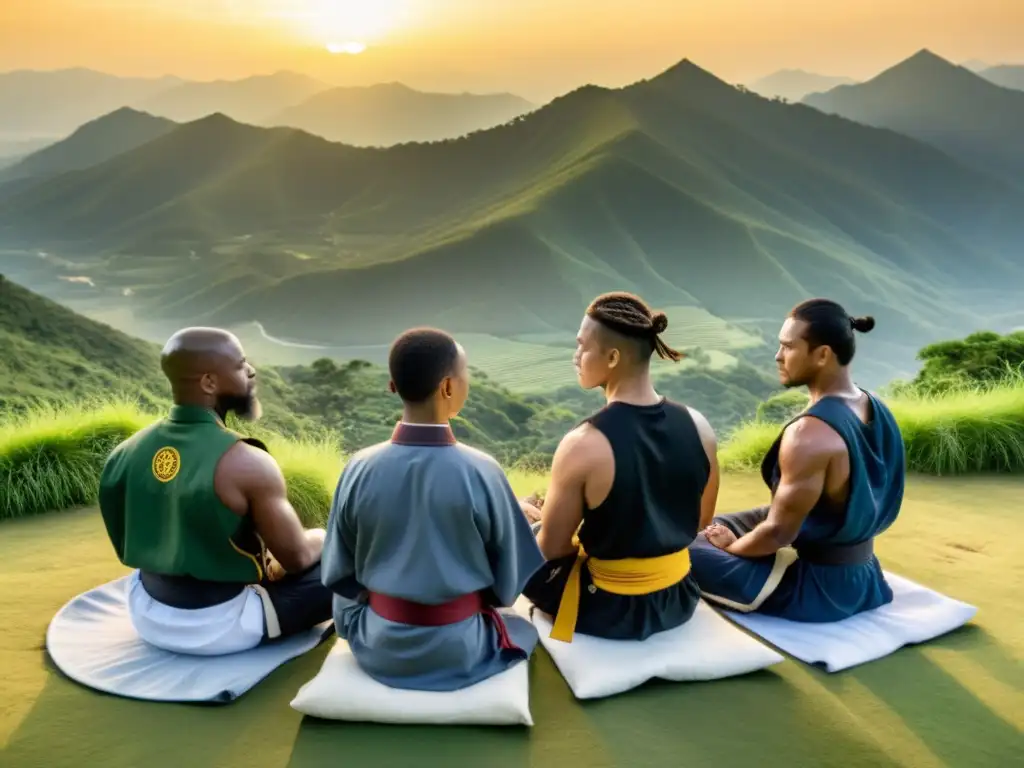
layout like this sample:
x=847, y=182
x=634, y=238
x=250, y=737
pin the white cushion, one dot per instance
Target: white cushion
x=915, y=615
x=707, y=647
x=341, y=690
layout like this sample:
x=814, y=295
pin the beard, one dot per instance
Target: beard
x=246, y=407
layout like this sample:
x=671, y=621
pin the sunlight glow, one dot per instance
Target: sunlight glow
x=345, y=24
x=352, y=47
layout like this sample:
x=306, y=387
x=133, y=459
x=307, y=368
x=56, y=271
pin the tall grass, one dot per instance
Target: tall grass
x=969, y=428
x=51, y=458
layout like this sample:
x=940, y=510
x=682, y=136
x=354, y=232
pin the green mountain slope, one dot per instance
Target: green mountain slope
x=680, y=187
x=96, y=141
x=933, y=100
x=49, y=354
x=392, y=113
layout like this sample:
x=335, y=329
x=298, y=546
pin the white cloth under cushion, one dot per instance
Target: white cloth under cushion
x=92, y=641
x=341, y=690
x=707, y=647
x=915, y=615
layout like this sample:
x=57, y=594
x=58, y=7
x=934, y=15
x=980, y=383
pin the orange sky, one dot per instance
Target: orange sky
x=538, y=48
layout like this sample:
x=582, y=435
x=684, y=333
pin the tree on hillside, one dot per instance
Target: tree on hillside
x=979, y=358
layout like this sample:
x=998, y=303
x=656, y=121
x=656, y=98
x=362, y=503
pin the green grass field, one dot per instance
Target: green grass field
x=954, y=702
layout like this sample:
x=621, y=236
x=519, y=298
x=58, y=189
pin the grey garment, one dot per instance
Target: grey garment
x=428, y=524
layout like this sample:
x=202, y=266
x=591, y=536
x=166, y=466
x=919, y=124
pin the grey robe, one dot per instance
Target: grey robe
x=425, y=519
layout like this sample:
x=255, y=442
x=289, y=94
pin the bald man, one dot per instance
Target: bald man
x=193, y=508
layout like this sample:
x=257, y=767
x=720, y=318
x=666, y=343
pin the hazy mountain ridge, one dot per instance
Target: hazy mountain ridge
x=946, y=105
x=795, y=84
x=56, y=103
x=50, y=105
x=1006, y=75
x=680, y=187
x=392, y=113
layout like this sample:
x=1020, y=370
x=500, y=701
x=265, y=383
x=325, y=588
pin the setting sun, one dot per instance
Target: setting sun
x=348, y=26
x=353, y=48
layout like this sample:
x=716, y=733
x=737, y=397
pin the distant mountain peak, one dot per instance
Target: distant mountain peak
x=926, y=62
x=689, y=73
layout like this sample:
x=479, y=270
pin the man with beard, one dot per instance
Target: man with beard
x=836, y=474
x=194, y=507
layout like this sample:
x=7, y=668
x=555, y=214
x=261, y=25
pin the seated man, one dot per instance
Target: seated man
x=836, y=473
x=630, y=489
x=193, y=506
x=426, y=538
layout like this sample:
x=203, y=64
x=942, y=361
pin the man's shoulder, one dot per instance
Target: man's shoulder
x=370, y=453
x=478, y=459
x=810, y=436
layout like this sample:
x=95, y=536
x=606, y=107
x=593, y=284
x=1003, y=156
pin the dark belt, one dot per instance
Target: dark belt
x=835, y=554
x=404, y=611
x=187, y=592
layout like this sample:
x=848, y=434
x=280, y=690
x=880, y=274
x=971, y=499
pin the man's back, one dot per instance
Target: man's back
x=161, y=508
x=425, y=526
x=422, y=522
x=645, y=469
x=659, y=473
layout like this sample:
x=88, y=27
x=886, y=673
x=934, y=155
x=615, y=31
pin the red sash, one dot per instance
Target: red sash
x=403, y=611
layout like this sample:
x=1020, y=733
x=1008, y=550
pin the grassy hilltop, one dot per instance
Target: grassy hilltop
x=954, y=701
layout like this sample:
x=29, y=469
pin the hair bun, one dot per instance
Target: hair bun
x=862, y=324
x=659, y=322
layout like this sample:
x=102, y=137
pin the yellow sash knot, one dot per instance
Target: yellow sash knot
x=629, y=576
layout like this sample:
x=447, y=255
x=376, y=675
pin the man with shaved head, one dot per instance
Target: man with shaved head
x=194, y=508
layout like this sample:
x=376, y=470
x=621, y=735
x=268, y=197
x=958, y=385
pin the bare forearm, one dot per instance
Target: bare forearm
x=315, y=544
x=553, y=548
x=765, y=539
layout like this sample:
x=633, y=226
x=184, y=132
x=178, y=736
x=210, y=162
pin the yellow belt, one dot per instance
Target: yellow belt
x=630, y=576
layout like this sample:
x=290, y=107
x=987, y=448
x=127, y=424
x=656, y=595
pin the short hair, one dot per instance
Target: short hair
x=628, y=315
x=419, y=360
x=829, y=325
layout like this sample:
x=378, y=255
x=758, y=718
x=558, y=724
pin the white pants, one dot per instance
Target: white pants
x=230, y=627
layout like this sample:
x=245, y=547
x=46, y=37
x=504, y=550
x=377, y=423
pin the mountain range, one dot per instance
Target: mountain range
x=680, y=187
x=946, y=105
x=47, y=106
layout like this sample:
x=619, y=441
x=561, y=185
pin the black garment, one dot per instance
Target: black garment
x=653, y=509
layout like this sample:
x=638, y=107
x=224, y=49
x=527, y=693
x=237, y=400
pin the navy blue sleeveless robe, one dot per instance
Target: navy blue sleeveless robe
x=812, y=588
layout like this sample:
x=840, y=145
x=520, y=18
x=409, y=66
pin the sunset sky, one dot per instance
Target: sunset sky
x=537, y=48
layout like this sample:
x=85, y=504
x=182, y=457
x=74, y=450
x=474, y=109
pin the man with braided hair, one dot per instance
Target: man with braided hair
x=630, y=488
x=836, y=475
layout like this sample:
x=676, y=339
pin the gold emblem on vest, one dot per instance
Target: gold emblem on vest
x=166, y=463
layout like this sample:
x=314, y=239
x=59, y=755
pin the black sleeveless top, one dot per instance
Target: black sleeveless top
x=652, y=509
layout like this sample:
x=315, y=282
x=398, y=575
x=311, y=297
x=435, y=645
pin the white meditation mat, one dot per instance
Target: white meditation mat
x=915, y=615
x=341, y=690
x=707, y=647
x=93, y=642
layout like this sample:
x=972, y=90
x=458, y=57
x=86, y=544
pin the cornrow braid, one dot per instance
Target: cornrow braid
x=629, y=315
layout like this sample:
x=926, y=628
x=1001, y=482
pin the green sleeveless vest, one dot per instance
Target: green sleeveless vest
x=161, y=510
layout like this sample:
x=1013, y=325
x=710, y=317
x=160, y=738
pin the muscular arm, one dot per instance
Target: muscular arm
x=261, y=483
x=563, y=505
x=807, y=448
x=709, y=499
